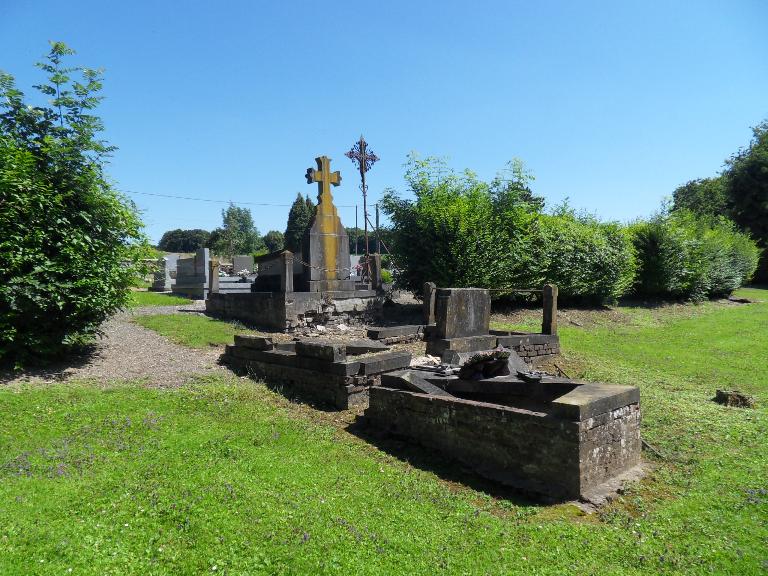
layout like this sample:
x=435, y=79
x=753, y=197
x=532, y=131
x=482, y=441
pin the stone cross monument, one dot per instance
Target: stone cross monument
x=325, y=247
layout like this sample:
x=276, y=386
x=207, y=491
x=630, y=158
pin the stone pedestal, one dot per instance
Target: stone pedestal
x=462, y=320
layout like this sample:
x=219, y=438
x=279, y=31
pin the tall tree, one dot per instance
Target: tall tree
x=70, y=245
x=299, y=219
x=703, y=196
x=237, y=234
x=747, y=189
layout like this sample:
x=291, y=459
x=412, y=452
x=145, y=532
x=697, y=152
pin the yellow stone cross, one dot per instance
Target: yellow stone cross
x=324, y=178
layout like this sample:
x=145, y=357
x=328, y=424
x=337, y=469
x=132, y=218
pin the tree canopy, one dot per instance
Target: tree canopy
x=274, y=240
x=184, y=240
x=237, y=235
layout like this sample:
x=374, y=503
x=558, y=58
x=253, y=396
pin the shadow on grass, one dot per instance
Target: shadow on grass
x=54, y=369
x=442, y=466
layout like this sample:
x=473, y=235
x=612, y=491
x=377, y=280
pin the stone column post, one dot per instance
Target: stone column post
x=375, y=263
x=429, y=302
x=286, y=271
x=549, y=322
x=213, y=276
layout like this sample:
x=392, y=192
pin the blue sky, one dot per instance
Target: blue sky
x=611, y=104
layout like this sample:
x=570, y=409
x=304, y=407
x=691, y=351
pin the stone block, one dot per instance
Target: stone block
x=461, y=312
x=589, y=400
x=465, y=344
x=380, y=333
x=327, y=350
x=253, y=342
x=384, y=362
x=365, y=346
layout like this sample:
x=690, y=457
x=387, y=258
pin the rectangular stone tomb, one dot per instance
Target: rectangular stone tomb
x=552, y=437
x=321, y=371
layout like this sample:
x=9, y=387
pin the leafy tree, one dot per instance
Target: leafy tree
x=747, y=190
x=70, y=245
x=237, y=235
x=704, y=196
x=299, y=219
x=184, y=240
x=274, y=241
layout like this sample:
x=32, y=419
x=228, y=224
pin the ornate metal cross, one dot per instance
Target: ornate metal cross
x=360, y=155
x=364, y=160
x=324, y=178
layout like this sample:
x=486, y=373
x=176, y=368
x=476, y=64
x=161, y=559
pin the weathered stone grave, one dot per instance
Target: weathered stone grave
x=333, y=374
x=462, y=324
x=315, y=286
x=553, y=437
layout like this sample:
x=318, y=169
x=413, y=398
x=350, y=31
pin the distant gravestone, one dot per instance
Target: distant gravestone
x=243, y=263
x=192, y=275
x=165, y=273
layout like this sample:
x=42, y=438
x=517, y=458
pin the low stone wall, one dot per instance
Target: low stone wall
x=531, y=347
x=313, y=370
x=579, y=441
x=289, y=311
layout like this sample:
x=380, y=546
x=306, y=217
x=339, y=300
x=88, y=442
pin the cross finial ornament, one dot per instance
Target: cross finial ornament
x=324, y=178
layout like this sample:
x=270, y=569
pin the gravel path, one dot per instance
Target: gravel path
x=130, y=352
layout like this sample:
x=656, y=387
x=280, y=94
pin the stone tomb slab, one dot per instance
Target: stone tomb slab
x=315, y=370
x=562, y=448
x=441, y=347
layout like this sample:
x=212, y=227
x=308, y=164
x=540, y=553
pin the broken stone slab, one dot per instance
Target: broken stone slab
x=322, y=350
x=253, y=342
x=363, y=346
x=287, y=358
x=384, y=362
x=514, y=362
x=464, y=344
x=413, y=381
x=382, y=332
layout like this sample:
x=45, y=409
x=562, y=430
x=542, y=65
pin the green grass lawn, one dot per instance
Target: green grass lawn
x=192, y=330
x=138, y=299
x=225, y=477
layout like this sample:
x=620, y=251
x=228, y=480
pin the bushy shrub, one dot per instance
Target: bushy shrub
x=386, y=276
x=590, y=261
x=70, y=246
x=459, y=231
x=683, y=255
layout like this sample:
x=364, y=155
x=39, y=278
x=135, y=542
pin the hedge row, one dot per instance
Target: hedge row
x=460, y=231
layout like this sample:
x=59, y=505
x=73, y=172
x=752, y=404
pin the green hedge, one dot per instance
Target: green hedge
x=693, y=257
x=587, y=259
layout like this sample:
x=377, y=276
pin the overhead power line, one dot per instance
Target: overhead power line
x=221, y=201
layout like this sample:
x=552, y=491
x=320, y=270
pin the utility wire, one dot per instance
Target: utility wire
x=221, y=201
